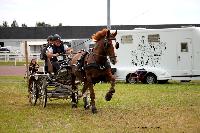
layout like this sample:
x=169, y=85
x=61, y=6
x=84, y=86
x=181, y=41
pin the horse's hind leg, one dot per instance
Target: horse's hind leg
x=109, y=94
x=85, y=96
x=92, y=97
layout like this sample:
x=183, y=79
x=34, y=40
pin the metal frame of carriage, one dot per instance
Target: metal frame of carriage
x=41, y=83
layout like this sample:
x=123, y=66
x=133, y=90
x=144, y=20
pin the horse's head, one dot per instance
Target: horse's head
x=105, y=41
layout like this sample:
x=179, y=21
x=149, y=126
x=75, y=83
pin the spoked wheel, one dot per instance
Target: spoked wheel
x=86, y=100
x=76, y=97
x=86, y=103
x=43, y=94
x=33, y=94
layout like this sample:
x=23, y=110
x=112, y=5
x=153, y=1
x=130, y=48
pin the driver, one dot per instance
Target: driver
x=54, y=50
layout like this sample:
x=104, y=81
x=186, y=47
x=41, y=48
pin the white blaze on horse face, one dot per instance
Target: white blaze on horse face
x=113, y=58
x=114, y=43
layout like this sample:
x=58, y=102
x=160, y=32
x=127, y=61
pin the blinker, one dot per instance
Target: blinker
x=117, y=45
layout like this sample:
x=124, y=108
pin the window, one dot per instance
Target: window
x=184, y=47
x=91, y=45
x=154, y=38
x=1, y=44
x=127, y=39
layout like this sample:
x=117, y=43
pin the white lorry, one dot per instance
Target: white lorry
x=158, y=55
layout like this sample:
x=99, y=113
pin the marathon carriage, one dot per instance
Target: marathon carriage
x=58, y=86
x=86, y=67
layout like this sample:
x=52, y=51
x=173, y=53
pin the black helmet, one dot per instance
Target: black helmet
x=50, y=38
x=56, y=37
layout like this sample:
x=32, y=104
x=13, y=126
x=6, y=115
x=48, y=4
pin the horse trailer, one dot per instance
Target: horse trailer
x=158, y=55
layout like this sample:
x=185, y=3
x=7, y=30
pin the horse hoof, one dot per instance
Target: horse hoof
x=108, y=96
x=94, y=110
x=112, y=91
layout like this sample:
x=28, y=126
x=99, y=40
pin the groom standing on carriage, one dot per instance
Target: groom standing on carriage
x=43, y=55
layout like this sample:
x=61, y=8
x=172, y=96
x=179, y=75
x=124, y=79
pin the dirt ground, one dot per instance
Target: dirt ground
x=12, y=70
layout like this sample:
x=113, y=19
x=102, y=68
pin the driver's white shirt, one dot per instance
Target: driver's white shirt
x=50, y=49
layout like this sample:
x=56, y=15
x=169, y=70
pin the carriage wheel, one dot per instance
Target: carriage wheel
x=86, y=102
x=43, y=97
x=76, y=97
x=33, y=94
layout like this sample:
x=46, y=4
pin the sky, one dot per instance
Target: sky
x=94, y=12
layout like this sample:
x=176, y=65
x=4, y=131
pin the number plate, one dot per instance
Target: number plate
x=59, y=58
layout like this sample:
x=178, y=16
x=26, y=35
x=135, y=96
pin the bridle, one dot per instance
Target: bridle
x=106, y=43
x=100, y=58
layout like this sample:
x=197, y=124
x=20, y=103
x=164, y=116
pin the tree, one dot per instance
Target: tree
x=47, y=25
x=24, y=25
x=42, y=24
x=5, y=24
x=14, y=24
x=60, y=24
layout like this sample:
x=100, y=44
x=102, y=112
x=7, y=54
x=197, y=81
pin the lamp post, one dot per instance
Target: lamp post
x=108, y=15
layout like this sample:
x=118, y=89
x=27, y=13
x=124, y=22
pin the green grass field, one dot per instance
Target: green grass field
x=173, y=107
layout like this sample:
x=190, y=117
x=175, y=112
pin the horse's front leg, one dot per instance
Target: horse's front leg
x=111, y=78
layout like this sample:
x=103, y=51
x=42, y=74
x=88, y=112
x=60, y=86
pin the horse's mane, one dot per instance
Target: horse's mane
x=98, y=35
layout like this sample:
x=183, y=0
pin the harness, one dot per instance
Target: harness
x=96, y=60
x=95, y=65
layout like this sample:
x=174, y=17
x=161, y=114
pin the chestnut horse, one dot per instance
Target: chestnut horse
x=95, y=66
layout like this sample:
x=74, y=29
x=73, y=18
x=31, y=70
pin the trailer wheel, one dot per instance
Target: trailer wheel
x=131, y=78
x=150, y=79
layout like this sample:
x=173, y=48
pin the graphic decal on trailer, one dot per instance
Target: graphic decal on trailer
x=148, y=53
